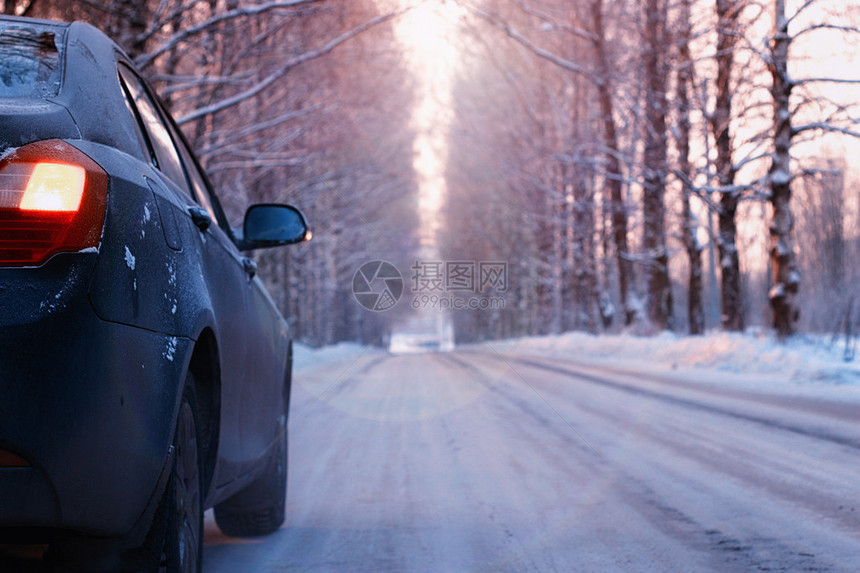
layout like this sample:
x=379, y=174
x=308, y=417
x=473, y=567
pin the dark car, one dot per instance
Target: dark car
x=144, y=369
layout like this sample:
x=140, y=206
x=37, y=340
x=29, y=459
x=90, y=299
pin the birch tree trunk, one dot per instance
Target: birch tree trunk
x=695, y=302
x=654, y=183
x=732, y=317
x=786, y=279
x=626, y=282
x=582, y=208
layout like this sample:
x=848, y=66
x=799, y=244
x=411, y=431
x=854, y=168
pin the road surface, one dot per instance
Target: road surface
x=478, y=461
x=485, y=462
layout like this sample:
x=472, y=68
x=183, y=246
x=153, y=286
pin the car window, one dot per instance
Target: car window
x=31, y=64
x=166, y=155
x=198, y=183
x=142, y=137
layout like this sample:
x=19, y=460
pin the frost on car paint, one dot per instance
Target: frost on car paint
x=147, y=217
x=30, y=62
x=56, y=301
x=170, y=350
x=171, y=282
x=129, y=259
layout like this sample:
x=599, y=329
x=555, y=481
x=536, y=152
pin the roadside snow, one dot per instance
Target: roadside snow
x=803, y=365
x=306, y=357
x=809, y=366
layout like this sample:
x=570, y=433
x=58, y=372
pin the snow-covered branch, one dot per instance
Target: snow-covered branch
x=553, y=23
x=176, y=84
x=825, y=26
x=225, y=139
x=800, y=11
x=281, y=70
x=175, y=39
x=802, y=81
x=542, y=53
x=827, y=127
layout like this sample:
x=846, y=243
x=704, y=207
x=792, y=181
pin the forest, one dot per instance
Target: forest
x=637, y=165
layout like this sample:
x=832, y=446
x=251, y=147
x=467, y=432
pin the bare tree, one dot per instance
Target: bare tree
x=597, y=68
x=567, y=117
x=656, y=256
x=683, y=86
x=728, y=13
x=613, y=171
x=783, y=294
x=786, y=278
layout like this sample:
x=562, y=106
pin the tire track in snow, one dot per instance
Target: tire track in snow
x=689, y=403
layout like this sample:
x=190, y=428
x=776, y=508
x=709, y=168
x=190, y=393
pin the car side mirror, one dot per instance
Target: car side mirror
x=271, y=225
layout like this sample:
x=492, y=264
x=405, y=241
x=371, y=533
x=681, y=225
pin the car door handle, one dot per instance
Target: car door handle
x=250, y=267
x=200, y=217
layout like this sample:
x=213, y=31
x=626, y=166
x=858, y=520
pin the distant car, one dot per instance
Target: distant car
x=414, y=343
x=144, y=369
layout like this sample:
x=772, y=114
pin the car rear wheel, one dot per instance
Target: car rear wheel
x=183, y=542
x=260, y=508
x=174, y=542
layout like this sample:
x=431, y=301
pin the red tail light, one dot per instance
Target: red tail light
x=52, y=200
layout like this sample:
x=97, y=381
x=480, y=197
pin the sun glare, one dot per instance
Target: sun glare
x=427, y=33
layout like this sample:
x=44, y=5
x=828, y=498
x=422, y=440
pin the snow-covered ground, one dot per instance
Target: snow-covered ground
x=568, y=453
x=306, y=357
x=804, y=365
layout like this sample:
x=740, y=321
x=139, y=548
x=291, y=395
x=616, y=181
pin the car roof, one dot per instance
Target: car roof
x=90, y=89
x=36, y=21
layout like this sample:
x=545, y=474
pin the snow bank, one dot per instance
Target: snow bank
x=305, y=357
x=804, y=365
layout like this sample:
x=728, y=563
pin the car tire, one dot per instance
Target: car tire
x=260, y=508
x=182, y=550
x=174, y=542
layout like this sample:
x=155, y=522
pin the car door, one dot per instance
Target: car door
x=205, y=245
x=260, y=403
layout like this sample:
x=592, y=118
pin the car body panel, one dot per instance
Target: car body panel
x=24, y=121
x=94, y=345
x=89, y=411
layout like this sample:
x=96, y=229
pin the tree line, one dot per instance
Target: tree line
x=296, y=101
x=631, y=149
x=621, y=156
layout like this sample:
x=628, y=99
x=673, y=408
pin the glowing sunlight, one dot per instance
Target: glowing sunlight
x=427, y=33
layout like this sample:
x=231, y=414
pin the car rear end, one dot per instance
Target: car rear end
x=84, y=426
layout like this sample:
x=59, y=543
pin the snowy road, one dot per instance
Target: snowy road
x=477, y=461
